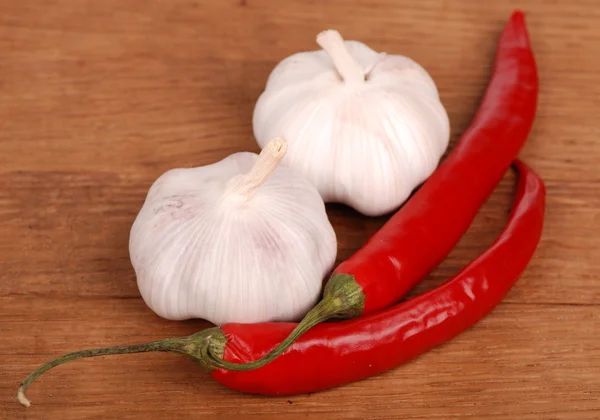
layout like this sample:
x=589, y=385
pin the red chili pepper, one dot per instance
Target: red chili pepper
x=336, y=353
x=424, y=231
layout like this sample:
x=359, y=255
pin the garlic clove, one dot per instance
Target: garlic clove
x=241, y=240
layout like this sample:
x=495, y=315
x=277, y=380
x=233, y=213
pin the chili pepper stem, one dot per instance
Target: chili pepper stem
x=185, y=345
x=343, y=298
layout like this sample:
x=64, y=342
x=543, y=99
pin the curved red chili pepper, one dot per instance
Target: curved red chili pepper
x=333, y=354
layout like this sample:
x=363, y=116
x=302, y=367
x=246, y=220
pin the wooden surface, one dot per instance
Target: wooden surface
x=98, y=98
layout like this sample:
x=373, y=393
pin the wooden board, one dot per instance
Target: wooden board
x=98, y=98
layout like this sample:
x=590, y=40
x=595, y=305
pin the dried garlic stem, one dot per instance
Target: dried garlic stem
x=333, y=44
x=267, y=162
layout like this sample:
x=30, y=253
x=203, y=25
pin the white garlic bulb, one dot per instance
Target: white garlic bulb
x=240, y=240
x=365, y=128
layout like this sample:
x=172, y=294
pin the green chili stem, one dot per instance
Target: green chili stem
x=324, y=310
x=343, y=298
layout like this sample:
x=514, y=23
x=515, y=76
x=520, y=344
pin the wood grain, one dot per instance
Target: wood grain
x=98, y=98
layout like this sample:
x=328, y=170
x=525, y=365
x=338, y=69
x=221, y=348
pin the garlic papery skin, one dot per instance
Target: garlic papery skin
x=241, y=240
x=366, y=128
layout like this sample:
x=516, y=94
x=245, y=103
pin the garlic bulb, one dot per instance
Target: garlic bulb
x=240, y=240
x=365, y=128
